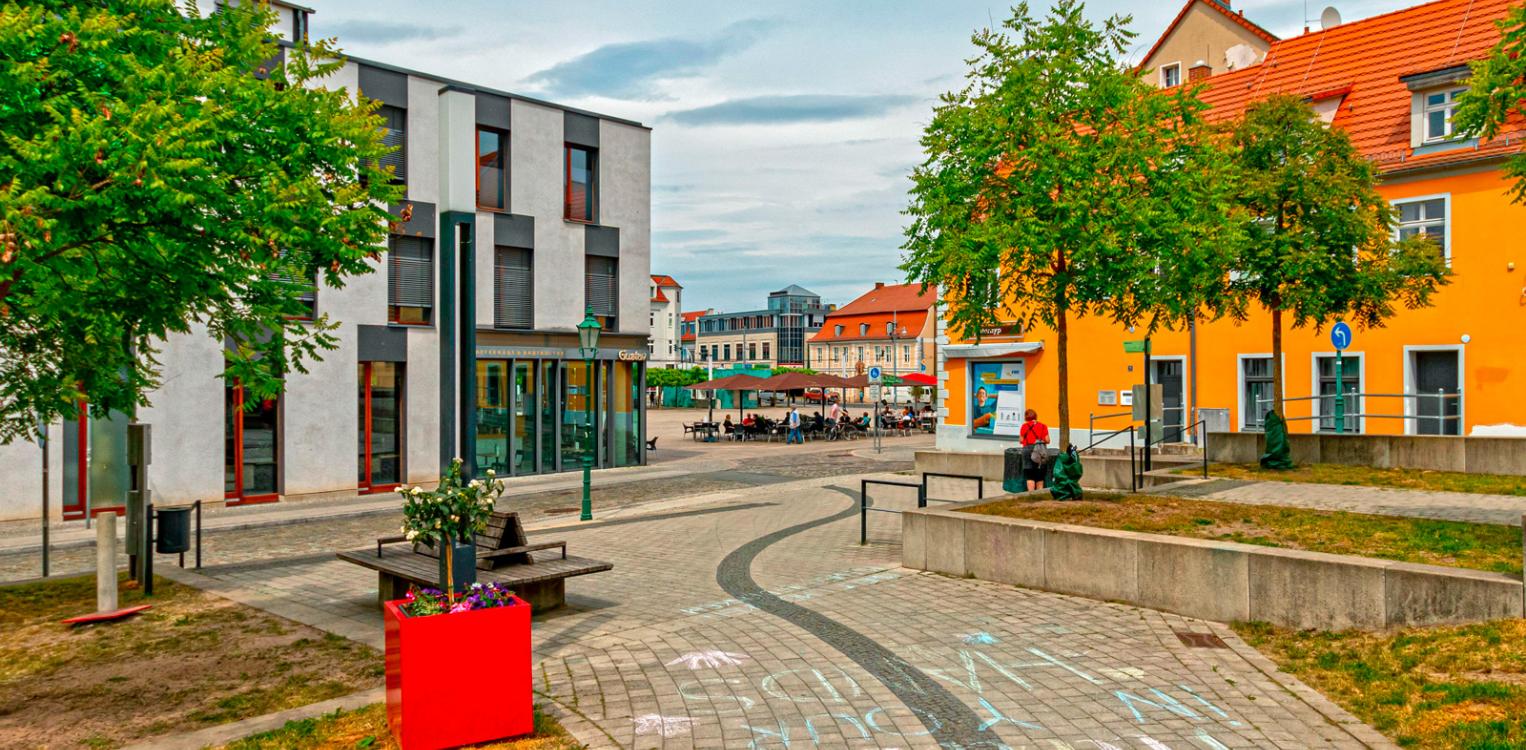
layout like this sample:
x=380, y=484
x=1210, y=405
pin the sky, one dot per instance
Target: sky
x=782, y=132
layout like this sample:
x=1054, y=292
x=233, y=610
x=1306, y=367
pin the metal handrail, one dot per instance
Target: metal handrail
x=863, y=503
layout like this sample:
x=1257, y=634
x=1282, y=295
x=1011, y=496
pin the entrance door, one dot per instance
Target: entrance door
x=526, y=418
x=380, y=428
x=1168, y=373
x=492, y=416
x=1437, y=373
x=250, y=457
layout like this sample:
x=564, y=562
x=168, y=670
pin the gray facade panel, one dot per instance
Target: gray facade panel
x=382, y=344
x=604, y=241
x=421, y=224
x=385, y=86
x=493, y=111
x=514, y=230
x=580, y=130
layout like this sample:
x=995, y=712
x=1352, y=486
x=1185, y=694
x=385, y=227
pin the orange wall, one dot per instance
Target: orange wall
x=1485, y=301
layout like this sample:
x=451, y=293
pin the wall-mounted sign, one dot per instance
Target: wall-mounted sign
x=1001, y=330
x=1107, y=398
x=630, y=355
x=996, y=398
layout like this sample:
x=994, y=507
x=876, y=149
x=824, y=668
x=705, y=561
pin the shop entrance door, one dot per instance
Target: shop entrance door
x=380, y=428
x=251, y=450
x=526, y=422
x=1168, y=373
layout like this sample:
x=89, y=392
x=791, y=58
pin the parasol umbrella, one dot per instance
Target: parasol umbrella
x=739, y=382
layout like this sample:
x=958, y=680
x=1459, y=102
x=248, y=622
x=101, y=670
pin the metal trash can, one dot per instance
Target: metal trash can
x=1012, y=470
x=172, y=533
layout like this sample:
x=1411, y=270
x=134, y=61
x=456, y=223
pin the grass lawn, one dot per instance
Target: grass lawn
x=1462, y=545
x=367, y=728
x=1454, y=687
x=1409, y=479
x=192, y=661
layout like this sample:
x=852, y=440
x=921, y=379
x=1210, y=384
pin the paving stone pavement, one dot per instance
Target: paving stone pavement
x=752, y=618
x=1445, y=506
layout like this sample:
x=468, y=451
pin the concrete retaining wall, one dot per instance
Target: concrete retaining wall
x=1201, y=578
x=1471, y=455
x=1099, y=471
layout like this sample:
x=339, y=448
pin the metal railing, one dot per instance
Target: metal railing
x=1136, y=475
x=921, y=487
x=1092, y=418
x=1440, y=395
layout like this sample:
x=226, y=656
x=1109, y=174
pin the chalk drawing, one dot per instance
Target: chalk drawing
x=667, y=726
x=709, y=659
x=702, y=695
x=1153, y=743
x=1064, y=666
x=850, y=719
x=1103, y=745
x=980, y=639
x=997, y=718
x=926, y=718
x=781, y=736
x=1210, y=742
x=778, y=685
x=1168, y=704
x=1201, y=700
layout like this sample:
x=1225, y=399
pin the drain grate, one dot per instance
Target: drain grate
x=1200, y=640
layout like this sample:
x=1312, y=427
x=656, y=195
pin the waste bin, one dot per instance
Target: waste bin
x=172, y=534
x=1012, y=471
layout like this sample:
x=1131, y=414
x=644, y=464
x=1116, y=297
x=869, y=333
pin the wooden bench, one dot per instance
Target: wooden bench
x=504, y=556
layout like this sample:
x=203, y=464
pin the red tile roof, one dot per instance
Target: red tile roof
x=694, y=314
x=663, y=280
x=905, y=304
x=1214, y=4
x=1363, y=62
x=659, y=296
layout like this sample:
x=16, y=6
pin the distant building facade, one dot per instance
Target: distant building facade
x=889, y=326
x=1206, y=38
x=688, y=334
x=773, y=337
x=662, y=342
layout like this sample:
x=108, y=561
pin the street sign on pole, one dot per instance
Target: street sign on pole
x=1340, y=335
x=1136, y=347
x=876, y=375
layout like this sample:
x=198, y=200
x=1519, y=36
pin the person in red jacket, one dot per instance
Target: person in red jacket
x=1035, y=437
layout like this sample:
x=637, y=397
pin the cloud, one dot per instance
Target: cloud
x=775, y=110
x=630, y=70
x=386, y=32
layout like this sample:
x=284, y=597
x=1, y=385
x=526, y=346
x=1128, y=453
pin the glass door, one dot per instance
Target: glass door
x=492, y=416
x=526, y=417
x=380, y=427
x=251, y=448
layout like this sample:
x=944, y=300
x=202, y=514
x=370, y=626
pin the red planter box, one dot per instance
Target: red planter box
x=458, y=679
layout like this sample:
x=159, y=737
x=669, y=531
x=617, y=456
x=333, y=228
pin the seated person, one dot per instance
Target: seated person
x=817, y=422
x=728, y=426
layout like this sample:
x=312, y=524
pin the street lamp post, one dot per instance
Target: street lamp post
x=588, y=346
x=890, y=328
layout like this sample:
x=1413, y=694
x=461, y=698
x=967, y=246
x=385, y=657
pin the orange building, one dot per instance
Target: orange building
x=1391, y=82
x=890, y=326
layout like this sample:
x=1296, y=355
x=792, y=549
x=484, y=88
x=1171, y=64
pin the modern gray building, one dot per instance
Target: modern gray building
x=518, y=215
x=774, y=336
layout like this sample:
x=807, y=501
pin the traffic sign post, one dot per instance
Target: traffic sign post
x=876, y=376
x=1340, y=337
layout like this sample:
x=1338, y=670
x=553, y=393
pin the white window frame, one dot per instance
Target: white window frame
x=1426, y=108
x=1161, y=72
x=1462, y=381
x=1361, y=386
x=1446, y=219
x=1240, y=384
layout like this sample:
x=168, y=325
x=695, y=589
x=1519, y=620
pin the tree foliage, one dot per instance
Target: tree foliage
x=667, y=377
x=1057, y=184
x=1318, y=242
x=163, y=173
x=1496, y=95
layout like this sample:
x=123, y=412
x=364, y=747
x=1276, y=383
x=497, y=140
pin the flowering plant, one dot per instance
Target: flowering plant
x=423, y=602
x=455, y=510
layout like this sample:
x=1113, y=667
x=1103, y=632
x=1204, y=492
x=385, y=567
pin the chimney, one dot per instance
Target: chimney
x=1199, y=71
x=879, y=285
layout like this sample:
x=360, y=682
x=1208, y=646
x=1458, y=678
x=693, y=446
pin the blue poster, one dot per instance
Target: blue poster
x=996, y=398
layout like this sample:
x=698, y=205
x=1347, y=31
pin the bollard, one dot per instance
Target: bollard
x=106, y=563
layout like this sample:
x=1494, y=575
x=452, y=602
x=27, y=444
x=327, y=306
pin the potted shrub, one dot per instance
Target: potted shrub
x=447, y=520
x=458, y=667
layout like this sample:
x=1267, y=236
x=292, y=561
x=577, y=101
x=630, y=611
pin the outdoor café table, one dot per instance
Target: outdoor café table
x=708, y=429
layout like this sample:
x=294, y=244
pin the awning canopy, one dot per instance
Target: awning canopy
x=973, y=351
x=738, y=382
x=918, y=378
x=795, y=381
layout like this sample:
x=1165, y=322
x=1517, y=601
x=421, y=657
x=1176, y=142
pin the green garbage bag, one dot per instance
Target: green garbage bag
x=1278, y=455
x=1065, y=478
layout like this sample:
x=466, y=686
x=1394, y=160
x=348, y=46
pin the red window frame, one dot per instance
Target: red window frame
x=77, y=510
x=365, y=487
x=236, y=496
x=593, y=207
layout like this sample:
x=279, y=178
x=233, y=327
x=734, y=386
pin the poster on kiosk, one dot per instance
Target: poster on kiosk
x=997, y=398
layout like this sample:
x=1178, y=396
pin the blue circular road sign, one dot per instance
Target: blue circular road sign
x=1340, y=335
x=874, y=373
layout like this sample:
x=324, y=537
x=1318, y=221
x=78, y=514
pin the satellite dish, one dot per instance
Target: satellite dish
x=1241, y=56
x=1329, y=18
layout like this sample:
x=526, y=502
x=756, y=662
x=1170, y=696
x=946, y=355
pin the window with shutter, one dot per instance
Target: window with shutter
x=307, y=294
x=410, y=286
x=602, y=284
x=395, y=134
x=514, y=288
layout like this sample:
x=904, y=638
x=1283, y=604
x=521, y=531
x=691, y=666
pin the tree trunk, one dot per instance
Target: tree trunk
x=1277, y=362
x=1063, y=335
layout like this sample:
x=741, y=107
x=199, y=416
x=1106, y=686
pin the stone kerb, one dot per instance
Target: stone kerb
x=1222, y=581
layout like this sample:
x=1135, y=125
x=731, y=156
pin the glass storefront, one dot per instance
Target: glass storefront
x=533, y=415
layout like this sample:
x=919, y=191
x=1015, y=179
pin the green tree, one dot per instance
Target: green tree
x=1496, y=95
x=1057, y=184
x=1319, y=243
x=164, y=173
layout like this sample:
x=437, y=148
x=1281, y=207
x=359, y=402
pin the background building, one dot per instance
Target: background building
x=663, y=348
x=772, y=337
x=1206, y=38
x=518, y=214
x=890, y=326
x=688, y=334
x=1458, y=362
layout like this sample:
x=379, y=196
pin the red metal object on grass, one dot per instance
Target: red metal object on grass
x=112, y=616
x=458, y=679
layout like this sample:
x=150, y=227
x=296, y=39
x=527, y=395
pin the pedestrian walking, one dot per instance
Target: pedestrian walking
x=793, y=420
x=834, y=411
x=1035, y=439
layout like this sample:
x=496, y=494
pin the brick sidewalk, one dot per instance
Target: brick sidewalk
x=752, y=618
